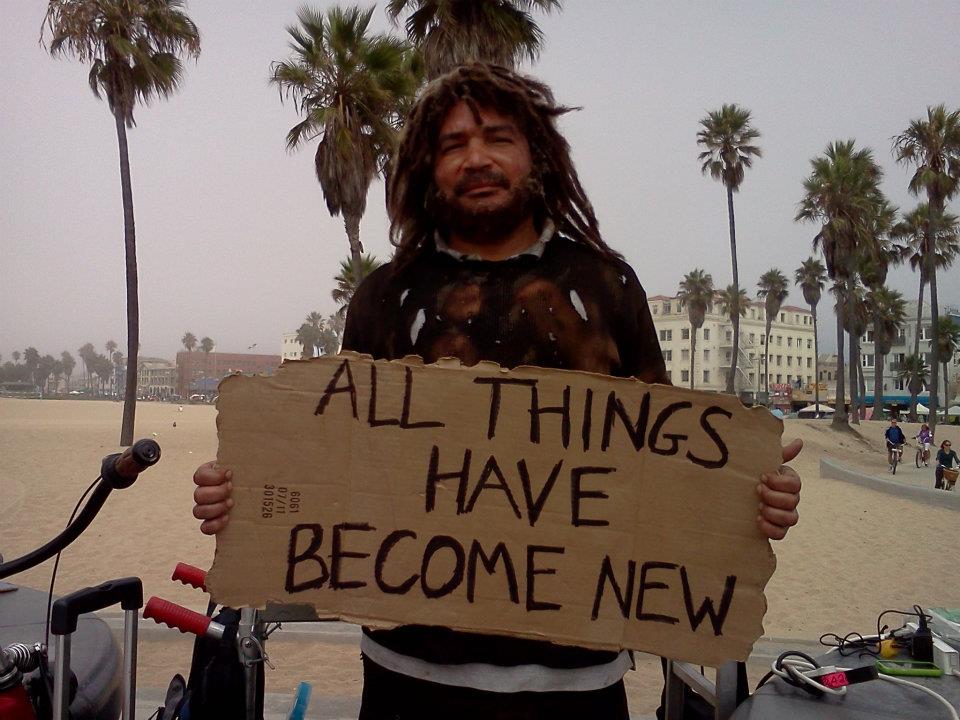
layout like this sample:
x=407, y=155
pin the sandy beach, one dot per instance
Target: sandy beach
x=855, y=553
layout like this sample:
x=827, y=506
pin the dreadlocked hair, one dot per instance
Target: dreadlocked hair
x=531, y=105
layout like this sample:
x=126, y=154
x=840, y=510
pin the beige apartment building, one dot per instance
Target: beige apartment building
x=792, y=355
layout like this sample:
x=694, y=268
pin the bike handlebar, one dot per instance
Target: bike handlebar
x=190, y=575
x=117, y=471
x=182, y=619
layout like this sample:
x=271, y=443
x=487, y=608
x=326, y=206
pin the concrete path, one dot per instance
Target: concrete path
x=909, y=483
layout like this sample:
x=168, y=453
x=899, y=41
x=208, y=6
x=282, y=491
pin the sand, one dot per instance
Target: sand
x=856, y=551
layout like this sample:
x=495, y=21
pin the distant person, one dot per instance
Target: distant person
x=946, y=459
x=499, y=257
x=895, y=439
x=924, y=439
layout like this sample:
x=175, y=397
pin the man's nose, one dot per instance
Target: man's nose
x=477, y=156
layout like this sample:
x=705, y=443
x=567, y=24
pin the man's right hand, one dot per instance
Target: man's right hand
x=212, y=497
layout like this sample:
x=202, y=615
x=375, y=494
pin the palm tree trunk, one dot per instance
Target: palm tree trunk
x=693, y=350
x=732, y=377
x=840, y=420
x=133, y=304
x=916, y=342
x=854, y=346
x=877, y=372
x=816, y=363
x=352, y=224
x=766, y=361
x=935, y=206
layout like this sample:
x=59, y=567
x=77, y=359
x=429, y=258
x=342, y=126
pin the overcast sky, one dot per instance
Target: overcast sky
x=233, y=237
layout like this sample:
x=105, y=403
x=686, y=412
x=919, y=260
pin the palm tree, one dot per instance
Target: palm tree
x=111, y=347
x=189, y=341
x=933, y=147
x=811, y=276
x=727, y=138
x=310, y=334
x=918, y=235
x=733, y=303
x=132, y=47
x=696, y=292
x=68, y=365
x=453, y=32
x=888, y=309
x=915, y=372
x=348, y=281
x=349, y=87
x=117, y=360
x=87, y=353
x=773, y=287
x=206, y=345
x=853, y=319
x=948, y=344
x=842, y=194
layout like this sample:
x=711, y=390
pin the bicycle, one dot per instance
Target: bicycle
x=28, y=690
x=896, y=456
x=923, y=454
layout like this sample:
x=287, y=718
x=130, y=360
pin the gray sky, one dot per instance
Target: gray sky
x=234, y=240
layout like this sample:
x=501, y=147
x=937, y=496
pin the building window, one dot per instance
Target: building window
x=666, y=308
x=789, y=342
x=898, y=384
x=809, y=362
x=779, y=378
x=809, y=343
x=751, y=378
x=666, y=334
x=706, y=355
x=796, y=319
x=706, y=376
x=685, y=334
x=779, y=361
x=762, y=340
x=684, y=376
x=668, y=355
x=685, y=354
x=729, y=335
x=782, y=316
x=656, y=309
x=790, y=378
x=706, y=333
x=753, y=339
x=789, y=361
x=779, y=339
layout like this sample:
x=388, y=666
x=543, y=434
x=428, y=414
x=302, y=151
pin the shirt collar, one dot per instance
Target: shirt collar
x=549, y=229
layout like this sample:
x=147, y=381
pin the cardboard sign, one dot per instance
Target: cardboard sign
x=567, y=506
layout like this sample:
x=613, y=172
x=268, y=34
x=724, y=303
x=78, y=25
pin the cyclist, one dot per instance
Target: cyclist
x=924, y=439
x=895, y=440
x=946, y=458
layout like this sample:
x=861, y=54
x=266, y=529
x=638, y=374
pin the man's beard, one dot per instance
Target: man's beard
x=484, y=223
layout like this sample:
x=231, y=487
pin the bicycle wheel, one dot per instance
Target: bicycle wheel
x=896, y=459
x=919, y=456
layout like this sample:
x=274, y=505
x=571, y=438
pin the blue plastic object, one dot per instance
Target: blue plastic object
x=301, y=702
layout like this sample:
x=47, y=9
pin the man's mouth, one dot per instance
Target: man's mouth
x=481, y=186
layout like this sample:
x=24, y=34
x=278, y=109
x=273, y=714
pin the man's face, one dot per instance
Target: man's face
x=481, y=172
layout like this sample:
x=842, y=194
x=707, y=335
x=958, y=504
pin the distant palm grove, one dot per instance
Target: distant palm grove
x=352, y=89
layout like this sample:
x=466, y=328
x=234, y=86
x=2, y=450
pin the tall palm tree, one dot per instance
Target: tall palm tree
x=852, y=317
x=842, y=194
x=888, y=309
x=773, y=287
x=696, y=292
x=68, y=365
x=134, y=49
x=349, y=87
x=932, y=146
x=948, y=340
x=111, y=348
x=454, y=32
x=727, y=139
x=348, y=280
x=918, y=236
x=811, y=276
x=733, y=302
x=189, y=341
x=206, y=345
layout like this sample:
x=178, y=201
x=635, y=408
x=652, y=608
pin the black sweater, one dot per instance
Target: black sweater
x=570, y=308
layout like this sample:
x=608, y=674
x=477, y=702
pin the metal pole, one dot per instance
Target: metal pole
x=61, y=679
x=129, y=664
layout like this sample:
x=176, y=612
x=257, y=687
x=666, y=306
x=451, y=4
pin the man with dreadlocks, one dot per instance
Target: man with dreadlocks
x=499, y=257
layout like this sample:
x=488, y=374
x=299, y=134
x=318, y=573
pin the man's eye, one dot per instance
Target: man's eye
x=452, y=146
x=503, y=140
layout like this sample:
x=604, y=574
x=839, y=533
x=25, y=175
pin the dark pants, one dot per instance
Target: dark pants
x=391, y=696
x=938, y=484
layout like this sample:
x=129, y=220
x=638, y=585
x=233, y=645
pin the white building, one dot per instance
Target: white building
x=895, y=390
x=290, y=347
x=791, y=363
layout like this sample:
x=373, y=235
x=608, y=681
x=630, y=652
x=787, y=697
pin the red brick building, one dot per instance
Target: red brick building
x=199, y=372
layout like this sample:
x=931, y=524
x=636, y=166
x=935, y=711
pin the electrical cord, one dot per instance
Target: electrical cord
x=56, y=564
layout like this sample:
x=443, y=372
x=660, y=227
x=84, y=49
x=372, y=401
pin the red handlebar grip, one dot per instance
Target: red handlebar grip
x=190, y=575
x=176, y=616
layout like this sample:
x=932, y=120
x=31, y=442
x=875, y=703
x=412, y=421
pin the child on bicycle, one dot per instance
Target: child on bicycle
x=924, y=439
x=946, y=458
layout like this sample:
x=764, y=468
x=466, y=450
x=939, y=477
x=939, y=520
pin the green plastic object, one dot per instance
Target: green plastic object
x=910, y=668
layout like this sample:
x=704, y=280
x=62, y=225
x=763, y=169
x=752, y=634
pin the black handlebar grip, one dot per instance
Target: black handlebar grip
x=127, y=591
x=120, y=470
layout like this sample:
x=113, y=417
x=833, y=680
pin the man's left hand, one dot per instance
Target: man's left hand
x=779, y=495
